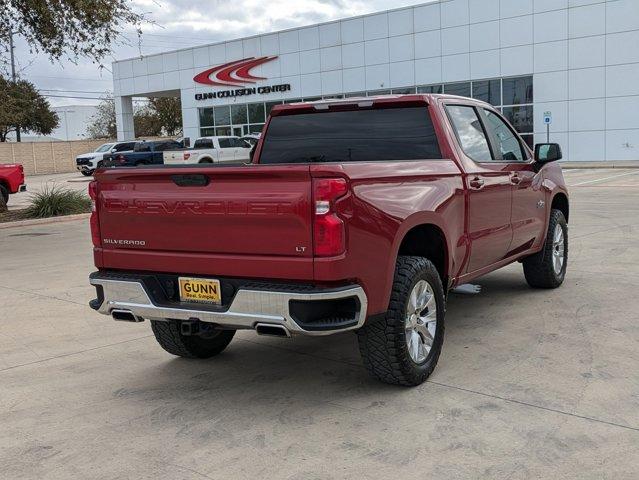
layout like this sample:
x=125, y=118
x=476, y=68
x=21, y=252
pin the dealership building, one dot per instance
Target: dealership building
x=569, y=67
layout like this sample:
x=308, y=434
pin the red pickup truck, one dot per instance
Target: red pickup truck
x=356, y=214
x=11, y=180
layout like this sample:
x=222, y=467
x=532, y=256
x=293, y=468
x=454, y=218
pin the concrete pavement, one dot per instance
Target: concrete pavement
x=530, y=384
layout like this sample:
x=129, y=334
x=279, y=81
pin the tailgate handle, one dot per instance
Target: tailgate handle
x=192, y=180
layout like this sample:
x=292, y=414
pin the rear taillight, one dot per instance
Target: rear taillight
x=329, y=235
x=95, y=224
x=187, y=156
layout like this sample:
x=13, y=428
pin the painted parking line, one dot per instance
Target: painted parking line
x=597, y=180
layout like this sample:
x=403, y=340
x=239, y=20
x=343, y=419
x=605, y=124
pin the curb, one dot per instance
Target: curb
x=609, y=164
x=43, y=221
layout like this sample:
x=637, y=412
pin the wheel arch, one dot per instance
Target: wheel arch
x=560, y=202
x=429, y=241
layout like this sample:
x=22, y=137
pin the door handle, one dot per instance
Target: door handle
x=515, y=179
x=476, y=183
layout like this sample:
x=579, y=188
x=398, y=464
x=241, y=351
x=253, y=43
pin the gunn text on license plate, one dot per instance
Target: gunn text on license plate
x=203, y=290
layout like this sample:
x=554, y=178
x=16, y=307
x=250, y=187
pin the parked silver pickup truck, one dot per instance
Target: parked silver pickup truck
x=211, y=150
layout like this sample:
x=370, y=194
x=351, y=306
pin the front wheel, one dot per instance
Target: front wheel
x=403, y=346
x=168, y=335
x=547, y=268
x=87, y=173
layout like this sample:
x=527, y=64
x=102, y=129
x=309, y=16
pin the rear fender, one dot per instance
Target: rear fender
x=415, y=220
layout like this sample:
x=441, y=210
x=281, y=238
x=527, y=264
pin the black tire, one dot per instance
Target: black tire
x=206, y=160
x=538, y=268
x=4, y=193
x=382, y=340
x=168, y=335
x=87, y=174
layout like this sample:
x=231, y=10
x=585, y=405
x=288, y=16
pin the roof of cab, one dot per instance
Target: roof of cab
x=362, y=102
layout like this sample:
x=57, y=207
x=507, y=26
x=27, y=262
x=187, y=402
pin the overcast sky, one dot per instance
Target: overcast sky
x=180, y=24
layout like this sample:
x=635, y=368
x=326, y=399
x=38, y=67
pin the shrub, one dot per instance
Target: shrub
x=54, y=201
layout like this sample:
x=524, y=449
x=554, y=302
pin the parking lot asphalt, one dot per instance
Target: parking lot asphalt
x=530, y=384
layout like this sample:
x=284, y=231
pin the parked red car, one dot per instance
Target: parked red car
x=11, y=180
x=356, y=214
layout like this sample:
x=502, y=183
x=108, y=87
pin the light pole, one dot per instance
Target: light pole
x=13, y=74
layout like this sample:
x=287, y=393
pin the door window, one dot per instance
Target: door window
x=470, y=132
x=505, y=141
x=225, y=143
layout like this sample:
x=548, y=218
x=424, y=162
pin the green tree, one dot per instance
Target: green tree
x=146, y=122
x=169, y=113
x=71, y=28
x=161, y=116
x=23, y=107
x=103, y=122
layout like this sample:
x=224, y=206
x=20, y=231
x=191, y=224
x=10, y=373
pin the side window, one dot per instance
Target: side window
x=162, y=146
x=142, y=147
x=225, y=143
x=203, y=143
x=239, y=143
x=505, y=142
x=470, y=132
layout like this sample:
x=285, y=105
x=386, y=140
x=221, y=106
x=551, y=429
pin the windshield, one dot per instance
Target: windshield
x=104, y=148
x=351, y=136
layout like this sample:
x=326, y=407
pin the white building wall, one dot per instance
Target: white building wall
x=583, y=55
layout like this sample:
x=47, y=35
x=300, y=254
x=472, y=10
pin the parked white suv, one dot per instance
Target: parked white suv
x=88, y=162
x=211, y=150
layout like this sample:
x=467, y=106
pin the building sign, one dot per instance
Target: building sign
x=240, y=92
x=232, y=74
x=236, y=74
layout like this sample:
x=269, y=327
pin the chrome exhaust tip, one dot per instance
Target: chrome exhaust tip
x=272, y=330
x=125, y=316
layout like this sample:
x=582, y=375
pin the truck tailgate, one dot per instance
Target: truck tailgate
x=206, y=219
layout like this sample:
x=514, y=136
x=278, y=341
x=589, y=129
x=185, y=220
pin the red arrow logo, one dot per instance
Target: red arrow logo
x=232, y=74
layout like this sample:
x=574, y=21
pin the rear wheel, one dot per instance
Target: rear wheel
x=206, y=160
x=4, y=193
x=547, y=268
x=168, y=335
x=4, y=198
x=403, y=346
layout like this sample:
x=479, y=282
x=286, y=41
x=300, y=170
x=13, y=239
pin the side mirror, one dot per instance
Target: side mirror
x=547, y=152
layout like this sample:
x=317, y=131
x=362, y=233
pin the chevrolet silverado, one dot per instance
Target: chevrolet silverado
x=356, y=214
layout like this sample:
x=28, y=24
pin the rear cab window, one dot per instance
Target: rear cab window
x=400, y=133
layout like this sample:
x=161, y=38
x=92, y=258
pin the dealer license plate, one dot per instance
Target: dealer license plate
x=203, y=290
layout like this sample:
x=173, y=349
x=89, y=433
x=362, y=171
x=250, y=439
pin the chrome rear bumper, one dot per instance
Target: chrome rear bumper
x=248, y=308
